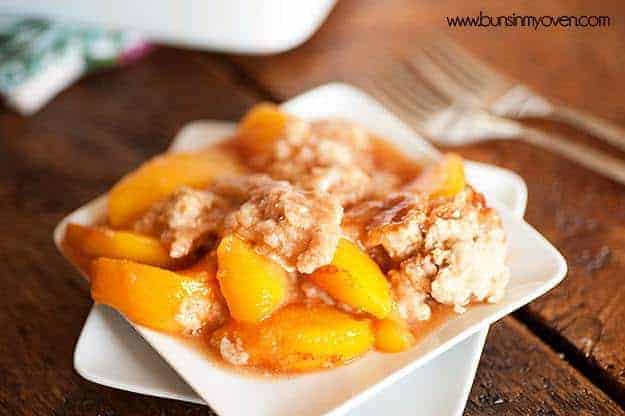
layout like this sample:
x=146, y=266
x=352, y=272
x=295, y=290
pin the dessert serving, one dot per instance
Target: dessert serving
x=294, y=246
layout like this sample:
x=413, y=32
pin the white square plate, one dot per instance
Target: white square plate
x=110, y=352
x=338, y=390
x=438, y=388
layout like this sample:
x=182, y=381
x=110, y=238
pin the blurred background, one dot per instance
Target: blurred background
x=92, y=88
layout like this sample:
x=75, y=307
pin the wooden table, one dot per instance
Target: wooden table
x=563, y=354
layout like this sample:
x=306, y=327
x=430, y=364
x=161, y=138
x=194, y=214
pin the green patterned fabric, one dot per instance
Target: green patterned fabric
x=29, y=47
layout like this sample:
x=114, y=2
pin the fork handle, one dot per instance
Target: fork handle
x=604, y=130
x=597, y=160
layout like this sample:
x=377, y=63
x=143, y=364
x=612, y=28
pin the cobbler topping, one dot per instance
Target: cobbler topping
x=470, y=256
x=358, y=233
x=410, y=300
x=198, y=311
x=314, y=293
x=328, y=156
x=298, y=229
x=348, y=183
x=233, y=352
x=185, y=221
x=397, y=226
x=238, y=189
x=449, y=249
x=382, y=183
x=322, y=144
x=343, y=131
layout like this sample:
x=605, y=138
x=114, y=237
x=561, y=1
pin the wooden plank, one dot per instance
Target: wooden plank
x=577, y=65
x=582, y=214
x=519, y=375
x=62, y=157
x=52, y=163
x=579, y=211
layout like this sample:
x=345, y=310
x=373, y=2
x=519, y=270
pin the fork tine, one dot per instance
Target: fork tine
x=448, y=80
x=393, y=94
x=414, y=101
x=466, y=58
x=419, y=90
x=429, y=70
x=394, y=97
x=453, y=66
x=455, y=71
x=469, y=62
x=415, y=121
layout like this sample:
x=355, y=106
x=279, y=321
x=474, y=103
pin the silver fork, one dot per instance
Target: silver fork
x=437, y=117
x=462, y=75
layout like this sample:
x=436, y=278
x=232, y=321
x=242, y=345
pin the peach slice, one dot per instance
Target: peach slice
x=444, y=178
x=253, y=285
x=159, y=177
x=204, y=269
x=104, y=242
x=392, y=335
x=296, y=338
x=154, y=297
x=260, y=127
x=355, y=279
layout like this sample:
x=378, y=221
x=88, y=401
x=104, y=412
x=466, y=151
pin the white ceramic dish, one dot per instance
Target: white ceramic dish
x=339, y=390
x=439, y=388
x=436, y=389
x=242, y=26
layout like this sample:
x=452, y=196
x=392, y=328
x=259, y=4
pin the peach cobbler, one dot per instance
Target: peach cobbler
x=293, y=246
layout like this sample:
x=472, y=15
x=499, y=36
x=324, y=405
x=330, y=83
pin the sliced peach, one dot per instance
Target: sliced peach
x=260, y=127
x=159, y=177
x=154, y=297
x=444, y=178
x=205, y=268
x=296, y=338
x=104, y=242
x=355, y=279
x=392, y=335
x=253, y=286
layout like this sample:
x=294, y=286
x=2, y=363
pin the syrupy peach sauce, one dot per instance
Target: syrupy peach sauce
x=291, y=246
x=441, y=314
x=387, y=158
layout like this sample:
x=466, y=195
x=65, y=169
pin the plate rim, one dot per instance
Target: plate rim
x=218, y=128
x=409, y=367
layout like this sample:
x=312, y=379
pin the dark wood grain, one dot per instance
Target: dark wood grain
x=71, y=152
x=100, y=128
x=51, y=164
x=581, y=212
x=519, y=375
x=579, y=66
